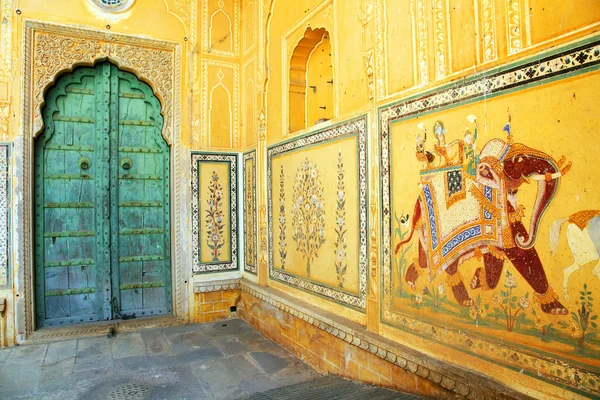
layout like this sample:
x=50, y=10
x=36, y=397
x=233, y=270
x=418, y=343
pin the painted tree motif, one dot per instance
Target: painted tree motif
x=341, y=263
x=214, y=217
x=282, y=221
x=308, y=215
x=250, y=239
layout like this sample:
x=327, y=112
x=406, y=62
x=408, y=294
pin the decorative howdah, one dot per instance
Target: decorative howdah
x=214, y=217
x=308, y=214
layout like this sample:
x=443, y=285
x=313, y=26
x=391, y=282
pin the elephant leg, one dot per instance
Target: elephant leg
x=529, y=265
x=454, y=280
x=416, y=269
x=487, y=278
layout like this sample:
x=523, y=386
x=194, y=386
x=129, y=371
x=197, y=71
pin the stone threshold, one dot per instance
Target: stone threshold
x=101, y=328
x=464, y=383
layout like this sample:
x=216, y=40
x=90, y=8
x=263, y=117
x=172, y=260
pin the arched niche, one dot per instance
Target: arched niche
x=311, y=80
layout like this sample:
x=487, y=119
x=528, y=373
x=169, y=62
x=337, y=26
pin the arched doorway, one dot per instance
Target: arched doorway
x=102, y=219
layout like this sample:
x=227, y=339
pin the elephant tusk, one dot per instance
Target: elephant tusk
x=546, y=177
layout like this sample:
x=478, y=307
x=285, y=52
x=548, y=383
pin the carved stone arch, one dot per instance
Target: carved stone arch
x=57, y=54
x=49, y=50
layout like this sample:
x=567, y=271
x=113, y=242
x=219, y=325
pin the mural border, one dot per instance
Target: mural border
x=566, y=61
x=232, y=265
x=5, y=200
x=356, y=126
x=250, y=155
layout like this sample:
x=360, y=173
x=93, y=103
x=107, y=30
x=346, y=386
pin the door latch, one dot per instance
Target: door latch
x=117, y=313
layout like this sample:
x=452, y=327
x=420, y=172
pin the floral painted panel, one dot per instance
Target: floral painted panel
x=491, y=221
x=250, y=221
x=4, y=215
x=214, y=212
x=311, y=210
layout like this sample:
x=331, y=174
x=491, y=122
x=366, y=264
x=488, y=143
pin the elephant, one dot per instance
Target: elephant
x=503, y=166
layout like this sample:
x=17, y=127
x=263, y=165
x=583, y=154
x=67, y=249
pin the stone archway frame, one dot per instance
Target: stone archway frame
x=50, y=50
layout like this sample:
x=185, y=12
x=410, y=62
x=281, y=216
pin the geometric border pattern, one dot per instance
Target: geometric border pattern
x=358, y=128
x=250, y=214
x=232, y=159
x=570, y=60
x=4, y=215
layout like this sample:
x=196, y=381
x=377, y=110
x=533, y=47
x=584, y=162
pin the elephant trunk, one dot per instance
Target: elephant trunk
x=545, y=193
x=547, y=174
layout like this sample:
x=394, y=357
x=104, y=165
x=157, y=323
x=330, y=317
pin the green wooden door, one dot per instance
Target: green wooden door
x=102, y=231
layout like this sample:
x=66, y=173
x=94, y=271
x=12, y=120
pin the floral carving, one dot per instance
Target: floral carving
x=515, y=40
x=341, y=264
x=489, y=31
x=214, y=217
x=55, y=53
x=282, y=224
x=421, y=23
x=308, y=215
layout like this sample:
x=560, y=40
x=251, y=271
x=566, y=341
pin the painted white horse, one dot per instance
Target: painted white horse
x=583, y=237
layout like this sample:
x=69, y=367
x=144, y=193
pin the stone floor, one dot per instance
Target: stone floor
x=225, y=360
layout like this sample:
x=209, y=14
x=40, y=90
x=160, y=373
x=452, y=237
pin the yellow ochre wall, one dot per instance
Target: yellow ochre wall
x=234, y=95
x=385, y=54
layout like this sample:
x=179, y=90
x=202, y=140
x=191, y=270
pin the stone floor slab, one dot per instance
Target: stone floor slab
x=220, y=361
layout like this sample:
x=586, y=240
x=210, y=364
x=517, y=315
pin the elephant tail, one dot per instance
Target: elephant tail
x=555, y=234
x=416, y=217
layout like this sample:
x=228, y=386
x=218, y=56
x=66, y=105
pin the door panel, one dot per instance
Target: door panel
x=143, y=198
x=102, y=234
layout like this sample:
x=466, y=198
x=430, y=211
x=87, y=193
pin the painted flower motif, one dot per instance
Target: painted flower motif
x=341, y=195
x=573, y=330
x=340, y=255
x=215, y=238
x=418, y=298
x=523, y=302
x=510, y=282
x=340, y=222
x=473, y=313
x=496, y=299
x=282, y=203
x=314, y=199
x=441, y=289
x=219, y=219
x=282, y=220
x=307, y=206
x=300, y=200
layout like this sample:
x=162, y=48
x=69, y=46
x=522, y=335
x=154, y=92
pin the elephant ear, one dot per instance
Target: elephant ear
x=488, y=173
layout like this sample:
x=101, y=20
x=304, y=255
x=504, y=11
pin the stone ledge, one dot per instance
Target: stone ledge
x=462, y=382
x=216, y=286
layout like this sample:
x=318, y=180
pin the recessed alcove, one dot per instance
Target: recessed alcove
x=311, y=80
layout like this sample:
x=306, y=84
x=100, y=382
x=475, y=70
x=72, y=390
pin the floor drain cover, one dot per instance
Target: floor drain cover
x=130, y=391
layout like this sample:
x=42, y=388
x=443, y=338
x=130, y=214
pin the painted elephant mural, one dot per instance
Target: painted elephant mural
x=467, y=207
